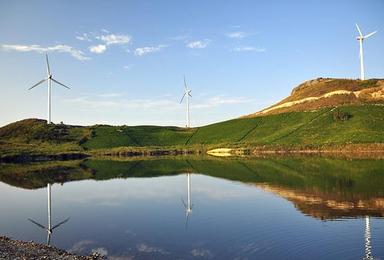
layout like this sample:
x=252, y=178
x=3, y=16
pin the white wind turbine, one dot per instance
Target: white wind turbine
x=188, y=205
x=361, y=38
x=187, y=94
x=49, y=228
x=49, y=78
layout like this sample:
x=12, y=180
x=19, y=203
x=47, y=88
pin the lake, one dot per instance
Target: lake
x=199, y=207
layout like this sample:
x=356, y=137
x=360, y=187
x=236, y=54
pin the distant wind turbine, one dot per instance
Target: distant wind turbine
x=49, y=78
x=49, y=228
x=188, y=205
x=361, y=38
x=187, y=94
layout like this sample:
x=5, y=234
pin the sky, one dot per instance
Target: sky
x=125, y=60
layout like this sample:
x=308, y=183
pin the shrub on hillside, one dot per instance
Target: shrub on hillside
x=341, y=116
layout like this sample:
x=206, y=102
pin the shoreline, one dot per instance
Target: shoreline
x=17, y=249
x=353, y=151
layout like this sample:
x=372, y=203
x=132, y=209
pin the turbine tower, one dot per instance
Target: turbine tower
x=49, y=228
x=49, y=78
x=188, y=205
x=187, y=94
x=361, y=38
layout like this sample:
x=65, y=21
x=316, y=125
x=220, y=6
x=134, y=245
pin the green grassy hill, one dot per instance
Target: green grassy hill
x=337, y=123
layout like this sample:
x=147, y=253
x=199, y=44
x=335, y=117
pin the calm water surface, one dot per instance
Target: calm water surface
x=232, y=209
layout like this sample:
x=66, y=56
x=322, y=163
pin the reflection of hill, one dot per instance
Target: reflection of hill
x=38, y=175
x=320, y=187
x=328, y=206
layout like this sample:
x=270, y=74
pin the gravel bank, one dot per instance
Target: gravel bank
x=15, y=249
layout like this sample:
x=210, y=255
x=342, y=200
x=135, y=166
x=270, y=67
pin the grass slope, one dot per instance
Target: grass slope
x=335, y=122
x=109, y=136
x=364, y=124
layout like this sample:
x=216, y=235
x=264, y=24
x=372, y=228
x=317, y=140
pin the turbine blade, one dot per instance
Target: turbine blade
x=60, y=84
x=38, y=83
x=48, y=69
x=369, y=35
x=358, y=28
x=182, y=98
x=186, y=221
x=37, y=224
x=185, y=83
x=182, y=201
x=61, y=223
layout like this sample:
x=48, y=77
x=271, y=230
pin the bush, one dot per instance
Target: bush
x=341, y=116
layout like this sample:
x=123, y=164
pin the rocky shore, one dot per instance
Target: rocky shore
x=15, y=249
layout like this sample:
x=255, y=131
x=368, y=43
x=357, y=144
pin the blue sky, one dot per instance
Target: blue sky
x=125, y=60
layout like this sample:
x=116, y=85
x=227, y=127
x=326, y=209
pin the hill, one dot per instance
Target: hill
x=328, y=92
x=318, y=113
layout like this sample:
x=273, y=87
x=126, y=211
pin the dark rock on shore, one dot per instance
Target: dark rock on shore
x=15, y=249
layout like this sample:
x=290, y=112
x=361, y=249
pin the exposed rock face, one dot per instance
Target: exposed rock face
x=326, y=92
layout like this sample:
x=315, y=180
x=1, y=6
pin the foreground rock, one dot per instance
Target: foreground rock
x=15, y=249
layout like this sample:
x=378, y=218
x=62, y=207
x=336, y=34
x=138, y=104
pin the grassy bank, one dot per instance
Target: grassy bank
x=328, y=127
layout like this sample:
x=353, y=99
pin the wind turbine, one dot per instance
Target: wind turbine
x=188, y=205
x=49, y=78
x=49, y=228
x=361, y=38
x=187, y=94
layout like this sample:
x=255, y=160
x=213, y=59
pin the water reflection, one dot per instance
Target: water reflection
x=290, y=202
x=49, y=228
x=367, y=235
x=188, y=205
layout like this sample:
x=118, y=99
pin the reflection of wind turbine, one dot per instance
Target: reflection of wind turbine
x=188, y=205
x=49, y=79
x=367, y=235
x=361, y=38
x=49, y=228
x=187, y=94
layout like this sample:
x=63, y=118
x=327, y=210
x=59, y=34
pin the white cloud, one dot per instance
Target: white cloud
x=77, y=54
x=84, y=37
x=147, y=50
x=110, y=39
x=128, y=67
x=198, y=44
x=237, y=35
x=97, y=48
x=249, y=48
